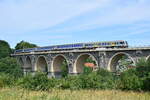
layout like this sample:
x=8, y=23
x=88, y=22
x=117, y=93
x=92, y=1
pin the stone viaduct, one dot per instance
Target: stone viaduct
x=51, y=61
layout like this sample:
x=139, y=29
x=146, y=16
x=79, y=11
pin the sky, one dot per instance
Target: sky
x=51, y=22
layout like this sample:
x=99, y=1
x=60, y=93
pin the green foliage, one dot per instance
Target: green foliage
x=6, y=80
x=143, y=71
x=24, y=45
x=10, y=66
x=137, y=78
x=90, y=60
x=146, y=82
x=37, y=82
x=130, y=80
x=123, y=64
x=71, y=82
x=100, y=79
x=64, y=69
x=143, y=68
x=87, y=70
x=4, y=49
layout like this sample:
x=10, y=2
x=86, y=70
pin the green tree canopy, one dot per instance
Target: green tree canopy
x=9, y=65
x=24, y=45
x=5, y=49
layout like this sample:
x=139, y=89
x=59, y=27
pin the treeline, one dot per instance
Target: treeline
x=8, y=64
x=137, y=78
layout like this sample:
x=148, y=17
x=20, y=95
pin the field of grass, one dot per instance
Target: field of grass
x=21, y=94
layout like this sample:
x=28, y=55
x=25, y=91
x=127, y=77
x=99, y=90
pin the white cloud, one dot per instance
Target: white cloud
x=38, y=14
x=114, y=12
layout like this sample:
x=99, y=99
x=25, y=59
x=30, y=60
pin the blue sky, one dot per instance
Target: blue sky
x=48, y=22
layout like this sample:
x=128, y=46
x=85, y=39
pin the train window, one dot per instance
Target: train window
x=121, y=42
x=117, y=43
x=103, y=44
x=107, y=43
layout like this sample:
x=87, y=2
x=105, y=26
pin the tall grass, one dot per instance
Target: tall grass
x=21, y=94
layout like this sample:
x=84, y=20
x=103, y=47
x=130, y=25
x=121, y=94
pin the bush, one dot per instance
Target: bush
x=87, y=70
x=6, y=80
x=71, y=82
x=9, y=66
x=37, y=82
x=130, y=80
x=143, y=68
x=143, y=72
x=146, y=82
x=64, y=69
x=100, y=79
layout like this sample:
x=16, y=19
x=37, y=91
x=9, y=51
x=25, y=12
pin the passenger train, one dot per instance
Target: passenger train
x=90, y=45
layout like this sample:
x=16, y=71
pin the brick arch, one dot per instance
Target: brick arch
x=28, y=62
x=57, y=62
x=80, y=60
x=41, y=64
x=113, y=60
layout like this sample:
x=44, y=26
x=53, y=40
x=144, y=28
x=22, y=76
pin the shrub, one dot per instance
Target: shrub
x=64, y=69
x=87, y=70
x=130, y=80
x=9, y=66
x=37, y=82
x=100, y=79
x=6, y=80
x=146, y=82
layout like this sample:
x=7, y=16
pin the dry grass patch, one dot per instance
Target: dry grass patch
x=22, y=94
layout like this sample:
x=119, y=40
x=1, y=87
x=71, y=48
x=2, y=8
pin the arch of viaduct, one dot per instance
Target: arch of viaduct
x=50, y=62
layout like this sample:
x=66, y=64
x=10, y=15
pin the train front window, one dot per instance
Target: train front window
x=121, y=42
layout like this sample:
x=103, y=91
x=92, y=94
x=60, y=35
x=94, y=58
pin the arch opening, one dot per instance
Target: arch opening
x=60, y=66
x=21, y=62
x=42, y=64
x=85, y=60
x=28, y=64
x=121, y=62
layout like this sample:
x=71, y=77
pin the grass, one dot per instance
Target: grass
x=22, y=94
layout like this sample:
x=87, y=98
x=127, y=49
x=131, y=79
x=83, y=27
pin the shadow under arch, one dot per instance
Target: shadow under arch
x=21, y=63
x=41, y=64
x=28, y=62
x=80, y=61
x=57, y=63
x=115, y=58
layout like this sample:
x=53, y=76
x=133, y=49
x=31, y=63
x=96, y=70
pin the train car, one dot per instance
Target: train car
x=90, y=45
x=70, y=46
x=114, y=44
x=47, y=48
x=19, y=51
x=109, y=44
x=29, y=50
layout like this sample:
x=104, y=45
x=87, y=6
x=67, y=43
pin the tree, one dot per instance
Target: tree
x=24, y=45
x=64, y=69
x=5, y=49
x=10, y=66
